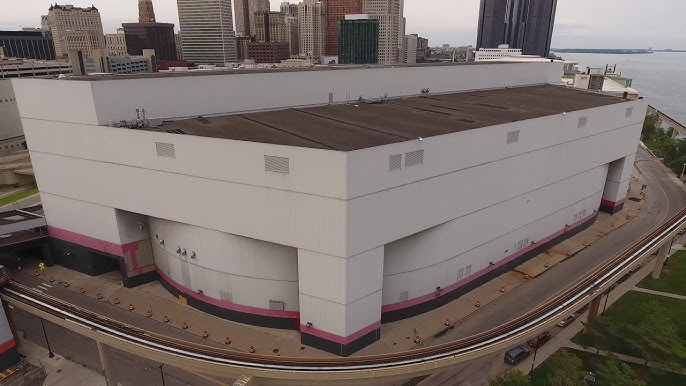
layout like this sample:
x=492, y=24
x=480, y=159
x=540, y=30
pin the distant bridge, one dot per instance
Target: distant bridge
x=666, y=119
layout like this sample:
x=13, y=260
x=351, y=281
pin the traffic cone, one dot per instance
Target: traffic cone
x=116, y=300
x=477, y=304
x=99, y=296
x=546, y=264
x=131, y=307
x=205, y=335
x=66, y=284
x=228, y=340
x=82, y=290
x=416, y=339
x=36, y=273
x=166, y=319
x=148, y=313
x=185, y=326
x=502, y=289
x=252, y=349
x=52, y=279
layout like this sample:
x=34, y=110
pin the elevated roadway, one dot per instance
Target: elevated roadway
x=664, y=118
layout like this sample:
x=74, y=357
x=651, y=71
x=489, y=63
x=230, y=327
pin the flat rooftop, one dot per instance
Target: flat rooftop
x=360, y=125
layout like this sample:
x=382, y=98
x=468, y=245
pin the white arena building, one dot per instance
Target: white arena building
x=325, y=200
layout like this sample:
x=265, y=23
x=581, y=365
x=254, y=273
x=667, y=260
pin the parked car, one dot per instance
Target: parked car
x=567, y=321
x=517, y=354
x=540, y=340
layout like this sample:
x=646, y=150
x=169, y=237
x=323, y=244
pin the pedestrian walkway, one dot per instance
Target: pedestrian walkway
x=59, y=370
x=659, y=293
x=621, y=357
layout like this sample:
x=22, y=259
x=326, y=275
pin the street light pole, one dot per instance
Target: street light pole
x=47, y=342
x=533, y=362
x=162, y=374
x=683, y=170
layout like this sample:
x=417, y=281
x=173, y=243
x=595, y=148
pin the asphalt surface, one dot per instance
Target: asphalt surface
x=664, y=198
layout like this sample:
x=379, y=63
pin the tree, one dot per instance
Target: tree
x=614, y=373
x=512, y=377
x=563, y=369
x=657, y=339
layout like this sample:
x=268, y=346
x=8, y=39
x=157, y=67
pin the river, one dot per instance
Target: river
x=660, y=76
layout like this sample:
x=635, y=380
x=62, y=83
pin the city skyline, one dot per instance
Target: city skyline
x=447, y=21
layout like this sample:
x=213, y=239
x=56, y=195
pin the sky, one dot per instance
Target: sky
x=578, y=24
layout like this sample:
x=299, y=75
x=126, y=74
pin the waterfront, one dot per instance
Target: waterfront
x=658, y=76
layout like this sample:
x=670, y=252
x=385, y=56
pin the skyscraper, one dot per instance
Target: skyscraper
x=75, y=29
x=311, y=25
x=148, y=34
x=146, y=12
x=389, y=13
x=207, y=31
x=523, y=24
x=289, y=8
x=334, y=12
x=245, y=15
x=359, y=40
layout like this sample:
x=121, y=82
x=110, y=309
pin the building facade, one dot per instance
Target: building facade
x=75, y=29
x=311, y=28
x=115, y=44
x=334, y=12
x=411, y=47
x=27, y=45
x=268, y=52
x=334, y=218
x=524, y=24
x=156, y=36
x=270, y=27
x=292, y=33
x=207, y=31
x=391, y=28
x=245, y=11
x=146, y=11
x=179, y=46
x=359, y=40
x=502, y=52
x=288, y=8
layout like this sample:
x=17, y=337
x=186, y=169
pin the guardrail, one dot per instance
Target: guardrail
x=427, y=359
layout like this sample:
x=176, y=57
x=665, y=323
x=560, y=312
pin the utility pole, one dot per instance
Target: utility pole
x=47, y=342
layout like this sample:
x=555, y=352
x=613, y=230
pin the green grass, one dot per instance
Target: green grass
x=651, y=376
x=673, y=277
x=628, y=310
x=18, y=196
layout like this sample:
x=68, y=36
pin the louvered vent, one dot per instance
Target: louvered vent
x=512, y=137
x=403, y=296
x=395, y=162
x=629, y=111
x=414, y=158
x=226, y=296
x=276, y=164
x=582, y=122
x=165, y=150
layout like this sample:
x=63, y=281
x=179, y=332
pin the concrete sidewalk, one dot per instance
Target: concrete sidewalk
x=621, y=357
x=659, y=293
x=60, y=371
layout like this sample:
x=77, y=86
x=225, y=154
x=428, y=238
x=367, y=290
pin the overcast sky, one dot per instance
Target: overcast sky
x=579, y=23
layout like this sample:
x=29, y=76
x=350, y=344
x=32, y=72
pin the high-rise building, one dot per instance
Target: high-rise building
x=292, y=33
x=207, y=31
x=423, y=50
x=410, y=48
x=311, y=25
x=270, y=26
x=267, y=52
x=44, y=24
x=27, y=45
x=334, y=12
x=289, y=8
x=359, y=40
x=115, y=44
x=522, y=24
x=179, y=46
x=75, y=29
x=148, y=34
x=391, y=28
x=245, y=11
x=146, y=11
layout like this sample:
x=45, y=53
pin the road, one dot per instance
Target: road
x=128, y=369
x=664, y=197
